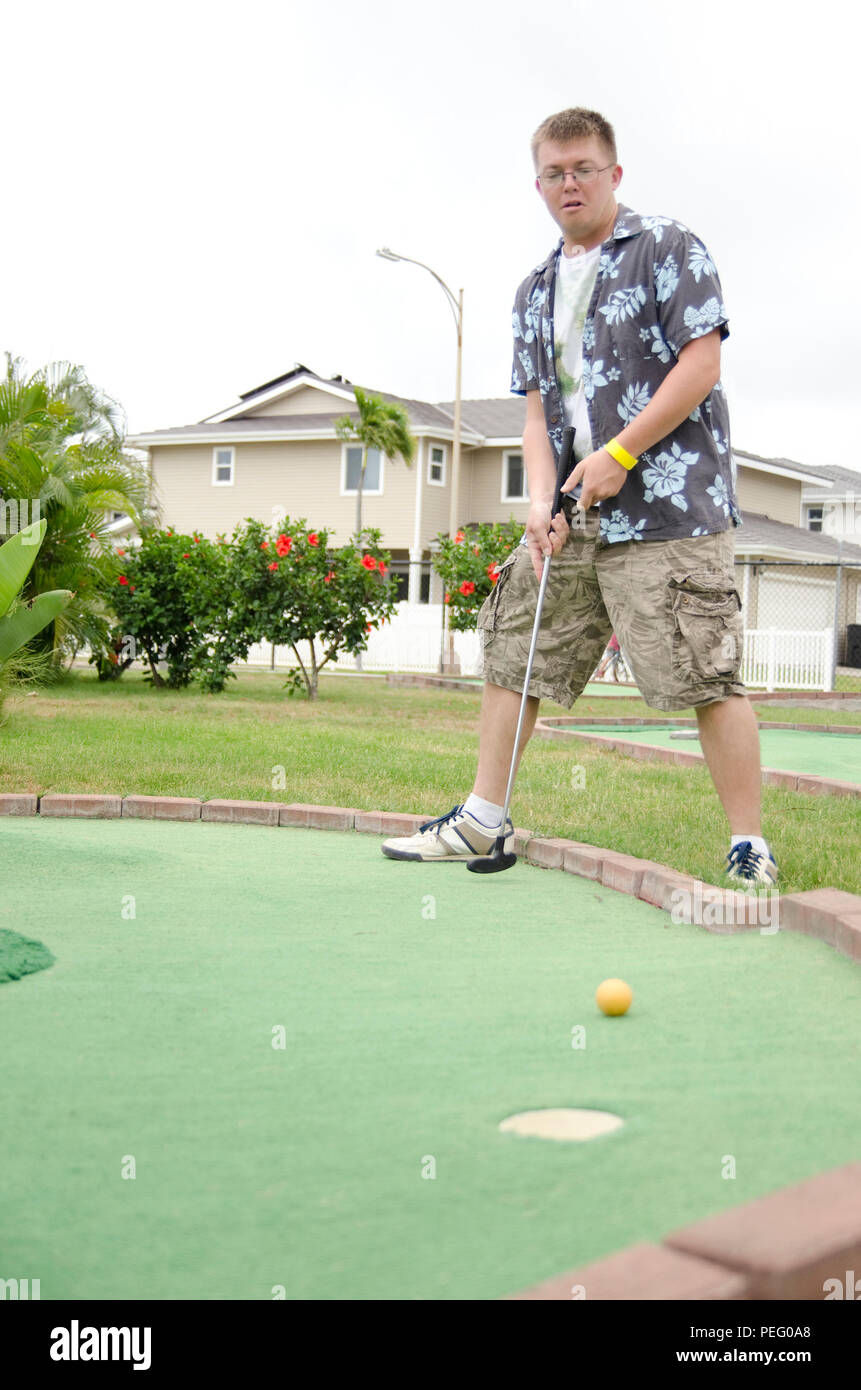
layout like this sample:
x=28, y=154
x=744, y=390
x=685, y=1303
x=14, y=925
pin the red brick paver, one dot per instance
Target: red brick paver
x=247, y=812
x=642, y=1272
x=162, y=807
x=788, y=1243
x=97, y=806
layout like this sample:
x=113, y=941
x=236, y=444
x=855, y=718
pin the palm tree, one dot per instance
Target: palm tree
x=61, y=449
x=382, y=425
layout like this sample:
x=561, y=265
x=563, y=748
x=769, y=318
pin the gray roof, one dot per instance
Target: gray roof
x=494, y=418
x=422, y=415
x=759, y=535
x=796, y=467
x=843, y=480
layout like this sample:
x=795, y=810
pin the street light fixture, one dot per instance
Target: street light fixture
x=456, y=306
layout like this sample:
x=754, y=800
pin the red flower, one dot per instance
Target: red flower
x=284, y=544
x=186, y=556
x=475, y=550
x=467, y=587
x=459, y=536
x=313, y=538
x=264, y=545
x=197, y=540
x=368, y=626
x=121, y=552
x=168, y=533
x=131, y=588
x=369, y=562
x=273, y=566
x=382, y=567
x=92, y=535
x=329, y=577
x=493, y=571
x=448, y=598
x=123, y=579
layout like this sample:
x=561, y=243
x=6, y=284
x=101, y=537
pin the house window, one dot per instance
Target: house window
x=352, y=467
x=514, y=481
x=436, y=465
x=222, y=467
x=814, y=518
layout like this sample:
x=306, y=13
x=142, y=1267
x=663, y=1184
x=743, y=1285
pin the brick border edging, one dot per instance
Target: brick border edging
x=808, y=782
x=561, y=720
x=781, y=1246
x=828, y=914
x=776, y=1247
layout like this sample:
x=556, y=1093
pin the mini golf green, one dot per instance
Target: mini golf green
x=788, y=750
x=420, y=1006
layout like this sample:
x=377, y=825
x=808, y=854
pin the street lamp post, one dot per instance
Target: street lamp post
x=456, y=306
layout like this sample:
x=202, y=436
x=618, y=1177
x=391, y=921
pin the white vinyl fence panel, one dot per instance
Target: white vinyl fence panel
x=788, y=658
x=774, y=658
x=410, y=641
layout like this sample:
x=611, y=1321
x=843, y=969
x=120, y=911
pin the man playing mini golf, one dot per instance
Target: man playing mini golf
x=618, y=334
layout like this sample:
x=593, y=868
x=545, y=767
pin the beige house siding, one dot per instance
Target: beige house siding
x=303, y=478
x=308, y=400
x=769, y=495
x=484, y=500
x=436, y=501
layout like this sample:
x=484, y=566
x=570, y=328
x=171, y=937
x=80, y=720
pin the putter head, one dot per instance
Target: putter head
x=496, y=861
x=494, y=865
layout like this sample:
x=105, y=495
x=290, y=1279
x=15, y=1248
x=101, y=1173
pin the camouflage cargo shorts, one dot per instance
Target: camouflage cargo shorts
x=673, y=606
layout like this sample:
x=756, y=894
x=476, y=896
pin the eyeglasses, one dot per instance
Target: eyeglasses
x=586, y=175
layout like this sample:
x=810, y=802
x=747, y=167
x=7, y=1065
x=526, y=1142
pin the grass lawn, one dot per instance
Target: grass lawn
x=366, y=744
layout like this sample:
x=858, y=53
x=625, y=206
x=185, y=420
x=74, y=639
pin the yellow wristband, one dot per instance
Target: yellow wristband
x=614, y=448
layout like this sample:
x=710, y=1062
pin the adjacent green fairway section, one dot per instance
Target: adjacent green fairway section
x=788, y=750
x=420, y=1006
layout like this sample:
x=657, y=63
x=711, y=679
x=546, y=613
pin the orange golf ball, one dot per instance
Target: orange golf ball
x=614, y=997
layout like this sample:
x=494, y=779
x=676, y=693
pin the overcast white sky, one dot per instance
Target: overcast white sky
x=194, y=192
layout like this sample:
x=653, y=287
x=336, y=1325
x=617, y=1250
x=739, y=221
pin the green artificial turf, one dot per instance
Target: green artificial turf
x=420, y=1006
x=375, y=746
x=837, y=756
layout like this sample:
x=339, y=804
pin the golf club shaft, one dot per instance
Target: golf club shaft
x=563, y=469
x=544, y=573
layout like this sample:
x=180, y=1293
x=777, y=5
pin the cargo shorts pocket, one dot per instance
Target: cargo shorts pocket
x=708, y=631
x=486, y=620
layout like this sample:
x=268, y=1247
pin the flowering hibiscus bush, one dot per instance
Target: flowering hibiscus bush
x=296, y=589
x=169, y=596
x=468, y=564
x=199, y=605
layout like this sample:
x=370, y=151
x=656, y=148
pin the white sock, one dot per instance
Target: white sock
x=759, y=844
x=485, y=811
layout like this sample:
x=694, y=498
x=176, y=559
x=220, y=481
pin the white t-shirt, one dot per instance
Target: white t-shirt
x=575, y=281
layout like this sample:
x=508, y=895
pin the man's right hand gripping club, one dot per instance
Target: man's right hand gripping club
x=545, y=535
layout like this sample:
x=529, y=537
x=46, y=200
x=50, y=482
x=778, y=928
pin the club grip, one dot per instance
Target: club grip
x=565, y=466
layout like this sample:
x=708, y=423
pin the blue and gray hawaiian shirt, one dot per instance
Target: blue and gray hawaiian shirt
x=656, y=289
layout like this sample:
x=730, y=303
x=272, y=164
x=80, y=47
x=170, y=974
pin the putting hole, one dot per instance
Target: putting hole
x=570, y=1125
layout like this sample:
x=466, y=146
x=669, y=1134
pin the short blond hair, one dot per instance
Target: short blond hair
x=573, y=124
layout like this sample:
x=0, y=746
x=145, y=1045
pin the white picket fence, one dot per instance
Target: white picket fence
x=774, y=658
x=788, y=659
x=410, y=641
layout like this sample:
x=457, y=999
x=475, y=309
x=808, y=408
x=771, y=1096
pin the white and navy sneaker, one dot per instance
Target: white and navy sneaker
x=456, y=835
x=748, y=865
